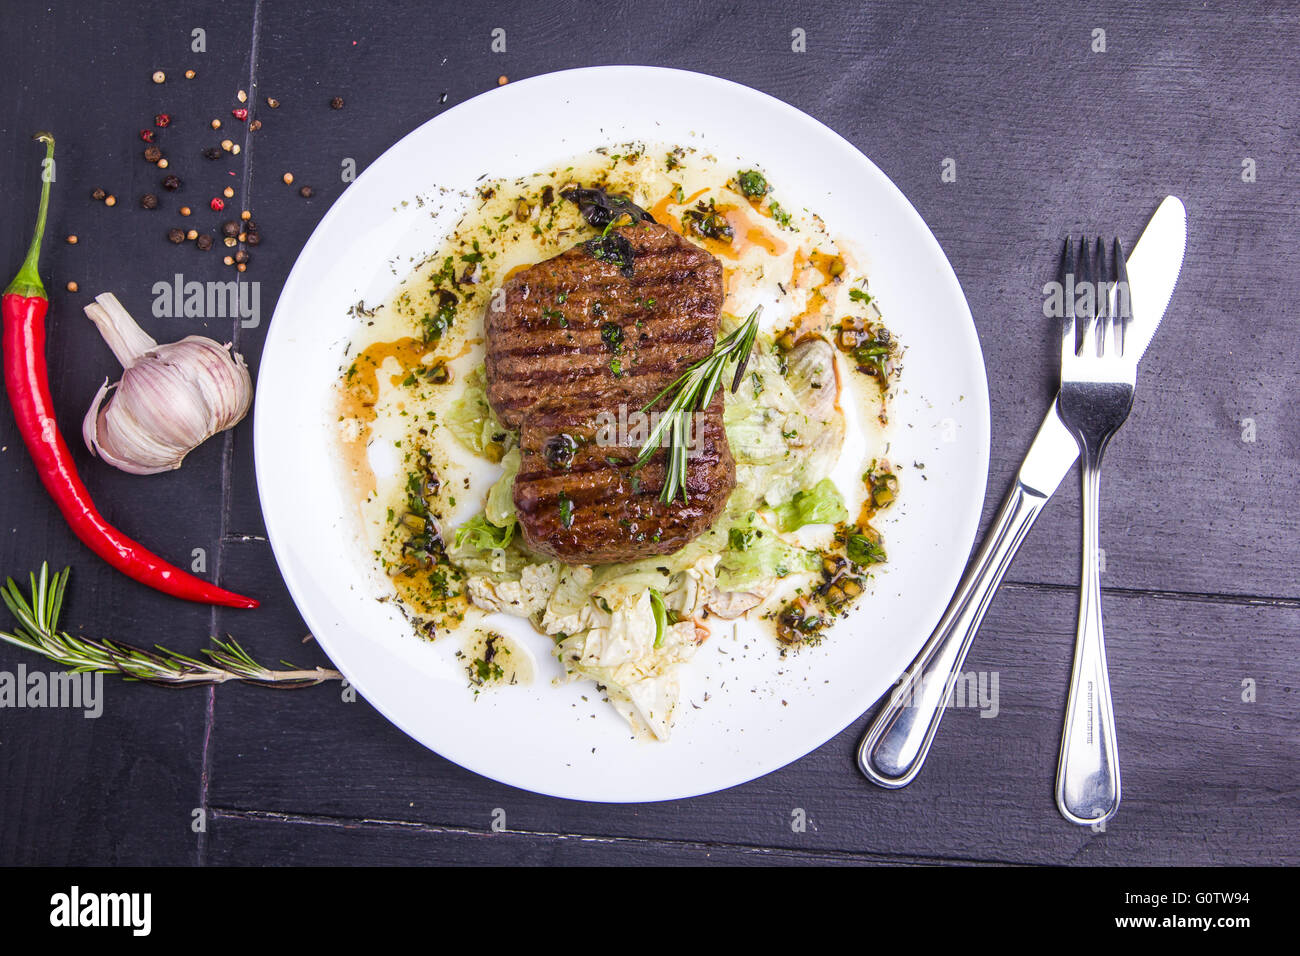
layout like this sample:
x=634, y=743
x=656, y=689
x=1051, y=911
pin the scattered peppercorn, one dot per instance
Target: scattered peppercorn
x=288, y=179
x=72, y=240
x=98, y=194
x=171, y=183
x=185, y=210
x=241, y=113
x=159, y=76
x=110, y=200
x=152, y=154
x=176, y=235
x=254, y=126
x=215, y=124
x=252, y=238
x=241, y=255
x=229, y=228
x=190, y=74
x=192, y=234
x=146, y=135
x=336, y=103
x=502, y=80
x=245, y=215
x=228, y=192
x=241, y=96
x=242, y=267
x=162, y=120
x=149, y=201
x=217, y=204
x=228, y=261
x=72, y=287
x=204, y=242
x=162, y=163
x=230, y=242
x=235, y=149
x=272, y=102
x=212, y=153
x=242, y=236
x=305, y=192
x=226, y=144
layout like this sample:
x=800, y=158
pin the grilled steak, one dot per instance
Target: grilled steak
x=583, y=342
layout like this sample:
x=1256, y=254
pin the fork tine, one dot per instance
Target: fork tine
x=1123, y=306
x=1105, y=342
x=1087, y=280
x=1068, y=270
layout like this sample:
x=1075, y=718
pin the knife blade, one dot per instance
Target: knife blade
x=1153, y=269
x=897, y=740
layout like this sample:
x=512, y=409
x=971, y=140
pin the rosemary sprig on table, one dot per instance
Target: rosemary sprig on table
x=38, y=630
x=692, y=393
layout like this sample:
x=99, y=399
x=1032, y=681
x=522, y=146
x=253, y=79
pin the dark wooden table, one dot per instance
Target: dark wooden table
x=1049, y=137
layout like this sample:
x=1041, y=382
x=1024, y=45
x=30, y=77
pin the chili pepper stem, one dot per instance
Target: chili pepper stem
x=28, y=281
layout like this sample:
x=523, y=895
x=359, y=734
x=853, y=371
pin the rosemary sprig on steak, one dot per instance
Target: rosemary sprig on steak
x=690, y=394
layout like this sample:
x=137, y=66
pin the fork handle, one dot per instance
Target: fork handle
x=1087, y=775
x=896, y=742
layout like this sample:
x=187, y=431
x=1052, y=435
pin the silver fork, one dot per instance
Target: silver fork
x=1097, y=381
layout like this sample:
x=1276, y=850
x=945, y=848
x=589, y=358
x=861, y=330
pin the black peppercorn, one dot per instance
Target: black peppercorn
x=171, y=183
x=149, y=201
x=153, y=154
x=212, y=152
x=176, y=235
x=252, y=238
x=230, y=228
x=305, y=192
x=241, y=255
x=336, y=103
x=98, y=195
x=204, y=242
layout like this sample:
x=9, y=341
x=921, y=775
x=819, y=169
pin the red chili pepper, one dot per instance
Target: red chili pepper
x=27, y=382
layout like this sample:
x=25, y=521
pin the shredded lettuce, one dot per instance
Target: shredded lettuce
x=471, y=420
x=661, y=616
x=756, y=553
x=480, y=533
x=821, y=504
x=500, y=506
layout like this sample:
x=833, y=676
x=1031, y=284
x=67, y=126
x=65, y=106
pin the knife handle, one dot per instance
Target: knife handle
x=899, y=736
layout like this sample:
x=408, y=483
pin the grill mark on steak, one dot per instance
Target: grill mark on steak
x=550, y=378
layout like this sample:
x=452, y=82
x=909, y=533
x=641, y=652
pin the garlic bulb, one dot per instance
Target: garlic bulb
x=170, y=400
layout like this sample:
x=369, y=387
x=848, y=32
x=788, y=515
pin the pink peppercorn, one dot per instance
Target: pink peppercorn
x=217, y=204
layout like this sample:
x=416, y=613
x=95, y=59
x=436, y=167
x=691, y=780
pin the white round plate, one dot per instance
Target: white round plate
x=745, y=710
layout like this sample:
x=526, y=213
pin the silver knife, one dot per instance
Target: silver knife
x=899, y=736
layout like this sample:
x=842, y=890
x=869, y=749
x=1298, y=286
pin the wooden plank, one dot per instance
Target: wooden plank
x=1207, y=777
x=1017, y=99
x=120, y=788
x=262, y=839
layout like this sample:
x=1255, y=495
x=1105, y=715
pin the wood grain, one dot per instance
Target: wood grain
x=1049, y=139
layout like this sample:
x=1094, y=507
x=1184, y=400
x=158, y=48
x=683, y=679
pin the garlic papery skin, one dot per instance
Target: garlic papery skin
x=170, y=399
